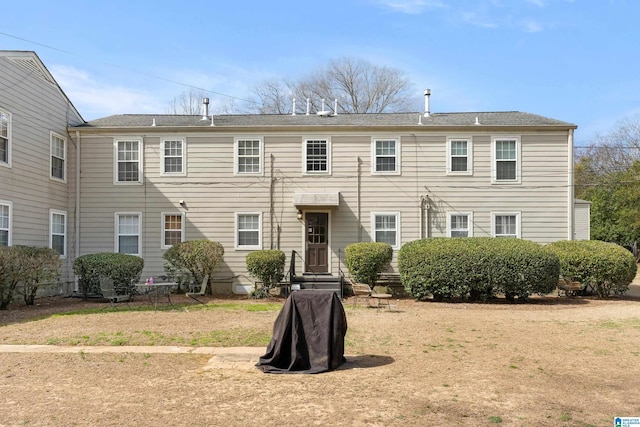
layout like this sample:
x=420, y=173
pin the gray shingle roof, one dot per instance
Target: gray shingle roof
x=507, y=118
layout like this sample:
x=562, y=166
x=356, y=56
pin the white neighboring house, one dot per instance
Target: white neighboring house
x=37, y=158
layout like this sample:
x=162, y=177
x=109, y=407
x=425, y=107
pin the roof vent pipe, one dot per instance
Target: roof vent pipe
x=293, y=107
x=427, y=94
x=205, y=108
x=335, y=106
x=308, y=105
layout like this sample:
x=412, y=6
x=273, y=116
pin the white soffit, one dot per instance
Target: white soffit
x=316, y=199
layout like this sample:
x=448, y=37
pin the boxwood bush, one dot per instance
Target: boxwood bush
x=366, y=259
x=268, y=267
x=605, y=267
x=122, y=268
x=477, y=267
x=190, y=261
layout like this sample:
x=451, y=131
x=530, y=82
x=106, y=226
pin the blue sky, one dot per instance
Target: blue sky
x=572, y=60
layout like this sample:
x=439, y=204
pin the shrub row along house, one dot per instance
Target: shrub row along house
x=308, y=184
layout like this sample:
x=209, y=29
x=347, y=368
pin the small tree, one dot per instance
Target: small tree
x=40, y=265
x=366, y=259
x=266, y=266
x=191, y=261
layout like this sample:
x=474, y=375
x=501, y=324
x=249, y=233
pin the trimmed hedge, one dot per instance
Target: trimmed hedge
x=190, y=261
x=606, y=267
x=123, y=269
x=477, y=267
x=366, y=259
x=268, y=267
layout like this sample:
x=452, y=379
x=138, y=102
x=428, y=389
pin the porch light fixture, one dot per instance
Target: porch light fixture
x=299, y=214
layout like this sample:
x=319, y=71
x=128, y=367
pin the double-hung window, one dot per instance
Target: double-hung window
x=58, y=149
x=128, y=154
x=58, y=232
x=172, y=229
x=128, y=229
x=386, y=156
x=317, y=156
x=459, y=156
x=5, y=138
x=459, y=225
x=249, y=231
x=5, y=223
x=173, y=156
x=386, y=228
x=248, y=156
x=506, y=224
x=506, y=160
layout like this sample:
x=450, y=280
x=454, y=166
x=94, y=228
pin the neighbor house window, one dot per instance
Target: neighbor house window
x=248, y=231
x=459, y=225
x=506, y=225
x=385, y=228
x=58, y=232
x=317, y=156
x=128, y=226
x=173, y=157
x=5, y=138
x=128, y=161
x=459, y=159
x=248, y=158
x=172, y=229
x=58, y=156
x=5, y=223
x=386, y=156
x=506, y=168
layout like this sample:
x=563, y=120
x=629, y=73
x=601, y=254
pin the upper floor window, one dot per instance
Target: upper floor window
x=386, y=156
x=5, y=138
x=172, y=229
x=5, y=223
x=506, y=225
x=459, y=225
x=58, y=232
x=459, y=156
x=506, y=158
x=128, y=227
x=128, y=161
x=317, y=156
x=248, y=231
x=248, y=157
x=173, y=157
x=58, y=151
x=386, y=228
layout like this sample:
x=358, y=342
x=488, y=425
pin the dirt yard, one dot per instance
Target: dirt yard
x=551, y=362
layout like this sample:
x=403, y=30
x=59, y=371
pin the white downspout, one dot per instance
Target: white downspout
x=571, y=191
x=77, y=216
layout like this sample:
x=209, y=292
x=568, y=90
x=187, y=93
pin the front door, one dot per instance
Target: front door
x=317, y=242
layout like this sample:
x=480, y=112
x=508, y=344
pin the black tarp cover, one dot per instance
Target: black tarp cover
x=308, y=335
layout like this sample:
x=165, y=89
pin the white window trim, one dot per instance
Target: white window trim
x=163, y=157
x=397, y=156
x=236, y=232
x=518, y=216
x=10, y=205
x=469, y=171
x=398, y=227
x=115, y=245
x=64, y=214
x=140, y=160
x=494, y=161
x=9, y=138
x=469, y=216
x=304, y=155
x=236, y=164
x=64, y=160
x=163, y=230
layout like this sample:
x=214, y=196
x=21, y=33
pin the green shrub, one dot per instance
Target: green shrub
x=476, y=267
x=268, y=267
x=123, y=269
x=28, y=265
x=366, y=259
x=606, y=267
x=192, y=260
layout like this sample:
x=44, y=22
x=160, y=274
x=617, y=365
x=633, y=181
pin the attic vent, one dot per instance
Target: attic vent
x=33, y=67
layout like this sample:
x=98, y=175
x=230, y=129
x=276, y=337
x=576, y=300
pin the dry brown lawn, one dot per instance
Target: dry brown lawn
x=551, y=362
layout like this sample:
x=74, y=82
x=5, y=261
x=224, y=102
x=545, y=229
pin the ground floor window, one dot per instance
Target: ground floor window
x=459, y=225
x=385, y=228
x=506, y=225
x=5, y=223
x=248, y=230
x=128, y=226
x=172, y=229
x=58, y=232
